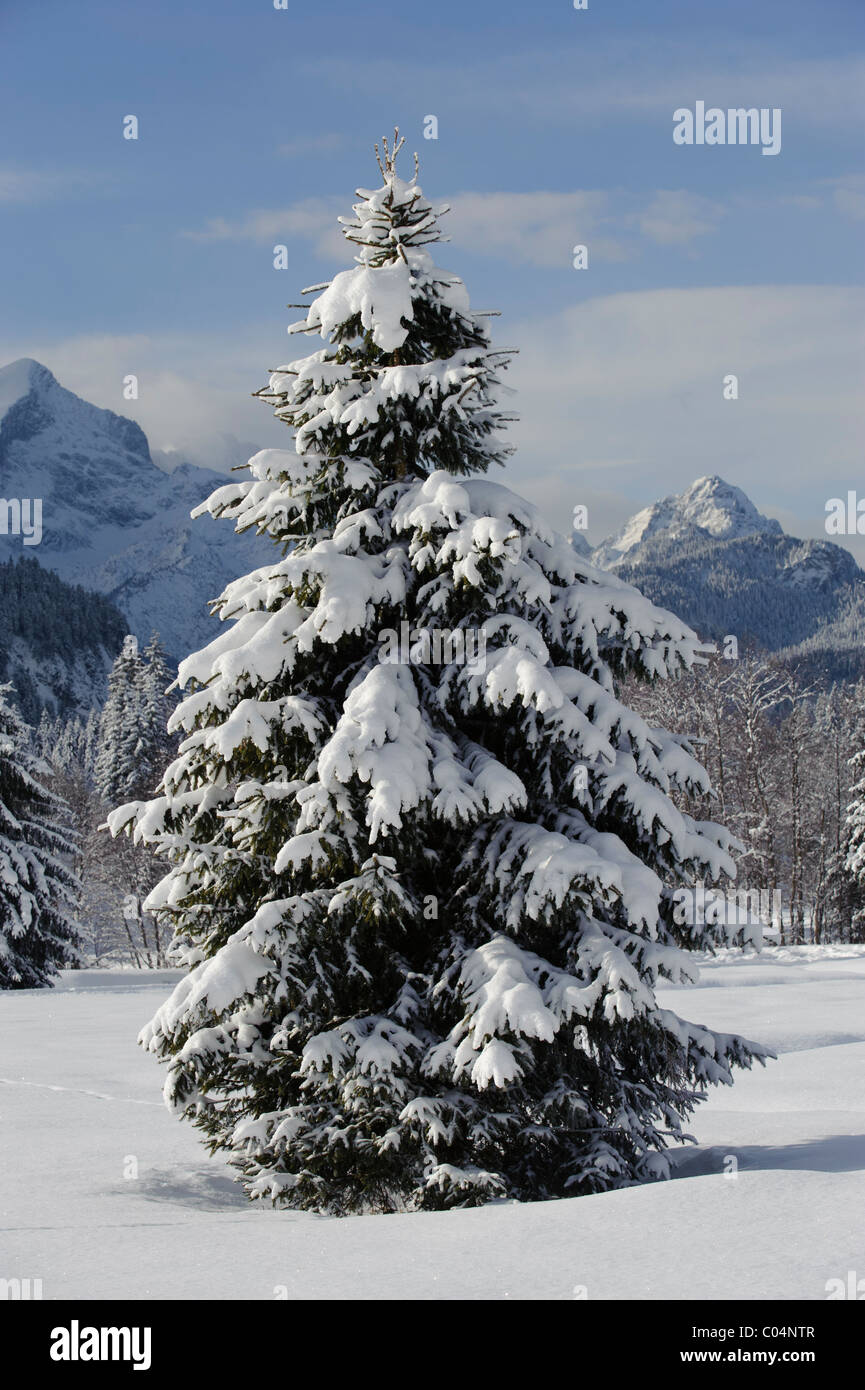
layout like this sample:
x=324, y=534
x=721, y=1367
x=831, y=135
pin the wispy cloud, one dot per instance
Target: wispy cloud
x=312, y=219
x=40, y=185
x=536, y=228
x=539, y=228
x=676, y=218
x=849, y=196
x=624, y=392
x=651, y=72
x=328, y=142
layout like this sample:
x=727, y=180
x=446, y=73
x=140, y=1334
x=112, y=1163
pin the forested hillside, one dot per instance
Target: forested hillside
x=57, y=640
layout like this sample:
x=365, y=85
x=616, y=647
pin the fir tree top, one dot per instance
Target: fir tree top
x=408, y=380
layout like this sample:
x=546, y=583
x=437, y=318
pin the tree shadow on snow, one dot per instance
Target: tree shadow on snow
x=200, y=1188
x=836, y=1153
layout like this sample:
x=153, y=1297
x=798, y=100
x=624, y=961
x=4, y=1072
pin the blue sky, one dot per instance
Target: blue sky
x=554, y=127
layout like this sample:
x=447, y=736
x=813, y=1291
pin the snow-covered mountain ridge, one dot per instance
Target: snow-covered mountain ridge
x=712, y=558
x=113, y=521
x=709, y=505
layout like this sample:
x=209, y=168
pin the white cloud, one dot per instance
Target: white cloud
x=538, y=229
x=620, y=398
x=849, y=196
x=651, y=76
x=623, y=394
x=305, y=145
x=312, y=219
x=535, y=228
x=39, y=185
x=675, y=217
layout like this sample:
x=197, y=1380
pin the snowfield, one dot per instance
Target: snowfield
x=81, y=1112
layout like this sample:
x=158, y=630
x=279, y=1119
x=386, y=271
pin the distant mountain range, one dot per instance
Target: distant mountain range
x=711, y=557
x=117, y=525
x=113, y=521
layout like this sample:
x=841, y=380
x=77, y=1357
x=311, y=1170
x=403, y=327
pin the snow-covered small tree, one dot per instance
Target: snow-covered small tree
x=134, y=746
x=425, y=900
x=38, y=890
x=156, y=746
x=90, y=744
x=118, y=758
x=852, y=893
x=111, y=757
x=47, y=732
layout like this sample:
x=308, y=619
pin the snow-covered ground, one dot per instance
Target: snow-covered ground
x=81, y=1112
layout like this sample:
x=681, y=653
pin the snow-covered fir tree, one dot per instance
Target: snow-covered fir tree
x=853, y=848
x=156, y=747
x=47, y=732
x=424, y=903
x=68, y=744
x=118, y=757
x=38, y=890
x=134, y=746
x=90, y=744
x=95, y=762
